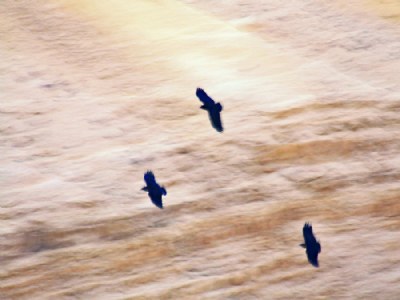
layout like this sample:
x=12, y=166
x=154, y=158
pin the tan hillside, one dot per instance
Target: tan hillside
x=95, y=92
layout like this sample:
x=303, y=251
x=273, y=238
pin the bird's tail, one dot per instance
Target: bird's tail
x=164, y=191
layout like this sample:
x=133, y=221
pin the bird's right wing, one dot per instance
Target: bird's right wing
x=313, y=258
x=216, y=122
x=156, y=199
x=203, y=97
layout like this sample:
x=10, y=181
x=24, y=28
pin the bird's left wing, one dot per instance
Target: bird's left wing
x=149, y=178
x=203, y=97
x=308, y=234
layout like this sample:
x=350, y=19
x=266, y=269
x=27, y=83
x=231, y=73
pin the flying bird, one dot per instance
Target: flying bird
x=154, y=190
x=214, y=109
x=313, y=247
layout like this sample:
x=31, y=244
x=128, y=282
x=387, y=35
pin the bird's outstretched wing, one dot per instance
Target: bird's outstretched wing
x=215, y=118
x=203, y=97
x=156, y=198
x=149, y=178
x=312, y=245
x=309, y=237
x=313, y=257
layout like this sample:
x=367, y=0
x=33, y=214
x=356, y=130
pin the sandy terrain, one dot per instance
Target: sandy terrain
x=94, y=93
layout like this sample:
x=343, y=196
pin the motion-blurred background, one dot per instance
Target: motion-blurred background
x=95, y=92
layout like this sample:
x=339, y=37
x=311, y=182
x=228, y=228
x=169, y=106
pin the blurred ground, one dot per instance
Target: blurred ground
x=94, y=93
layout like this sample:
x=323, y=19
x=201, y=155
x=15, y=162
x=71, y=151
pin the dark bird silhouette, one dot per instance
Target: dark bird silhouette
x=313, y=247
x=154, y=190
x=214, y=109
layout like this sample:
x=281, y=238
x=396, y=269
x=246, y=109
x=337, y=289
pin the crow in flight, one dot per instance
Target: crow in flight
x=154, y=190
x=214, y=109
x=313, y=248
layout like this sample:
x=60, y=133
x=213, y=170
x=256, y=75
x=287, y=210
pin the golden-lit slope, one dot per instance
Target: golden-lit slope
x=94, y=93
